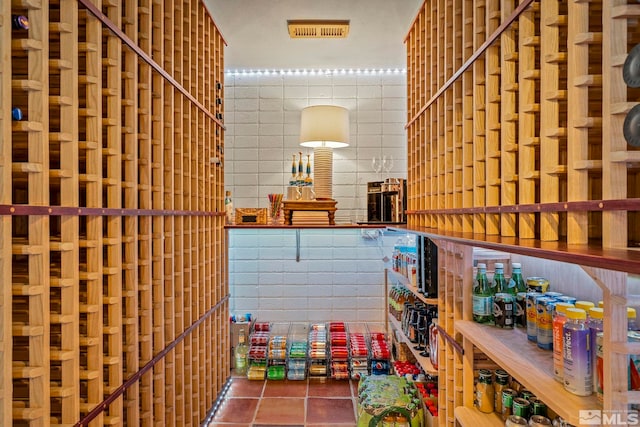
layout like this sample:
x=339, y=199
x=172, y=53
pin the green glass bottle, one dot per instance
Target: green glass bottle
x=517, y=282
x=482, y=297
x=500, y=284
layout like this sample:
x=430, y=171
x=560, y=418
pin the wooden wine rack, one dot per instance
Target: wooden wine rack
x=515, y=143
x=515, y=117
x=114, y=309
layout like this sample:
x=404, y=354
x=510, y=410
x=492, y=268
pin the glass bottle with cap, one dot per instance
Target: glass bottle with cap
x=517, y=281
x=500, y=284
x=482, y=296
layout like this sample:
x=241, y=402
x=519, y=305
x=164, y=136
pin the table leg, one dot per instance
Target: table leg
x=332, y=217
x=288, y=213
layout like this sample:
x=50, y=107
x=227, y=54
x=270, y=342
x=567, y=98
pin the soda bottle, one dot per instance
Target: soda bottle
x=482, y=297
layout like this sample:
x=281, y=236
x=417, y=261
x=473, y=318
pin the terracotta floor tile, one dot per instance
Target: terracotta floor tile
x=330, y=411
x=280, y=410
x=330, y=388
x=285, y=389
x=278, y=425
x=228, y=425
x=242, y=387
x=236, y=410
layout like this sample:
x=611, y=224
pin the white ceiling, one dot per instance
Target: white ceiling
x=257, y=36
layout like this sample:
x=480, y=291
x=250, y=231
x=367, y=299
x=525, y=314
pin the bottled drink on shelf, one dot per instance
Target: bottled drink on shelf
x=500, y=284
x=559, y=319
x=241, y=355
x=228, y=208
x=20, y=22
x=578, y=374
x=482, y=297
x=16, y=114
x=596, y=324
x=517, y=281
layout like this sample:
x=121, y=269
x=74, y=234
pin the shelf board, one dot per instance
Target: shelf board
x=619, y=259
x=424, y=362
x=472, y=417
x=404, y=281
x=530, y=365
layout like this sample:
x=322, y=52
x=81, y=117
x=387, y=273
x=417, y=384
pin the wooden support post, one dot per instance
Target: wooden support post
x=528, y=116
x=113, y=239
x=493, y=125
x=6, y=389
x=552, y=132
x=64, y=15
x=467, y=181
x=615, y=35
x=479, y=119
x=508, y=120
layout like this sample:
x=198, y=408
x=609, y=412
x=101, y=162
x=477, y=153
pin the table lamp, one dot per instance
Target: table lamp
x=323, y=128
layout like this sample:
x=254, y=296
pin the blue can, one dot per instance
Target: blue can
x=532, y=315
x=554, y=295
x=544, y=322
x=568, y=299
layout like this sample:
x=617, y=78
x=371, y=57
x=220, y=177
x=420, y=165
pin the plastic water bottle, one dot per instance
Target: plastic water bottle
x=578, y=372
x=595, y=322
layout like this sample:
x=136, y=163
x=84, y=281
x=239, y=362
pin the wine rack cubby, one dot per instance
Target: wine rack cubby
x=515, y=120
x=114, y=304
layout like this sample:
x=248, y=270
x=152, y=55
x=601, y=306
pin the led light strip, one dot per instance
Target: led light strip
x=317, y=72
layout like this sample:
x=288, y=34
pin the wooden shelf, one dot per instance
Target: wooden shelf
x=404, y=281
x=424, y=362
x=472, y=417
x=618, y=259
x=530, y=365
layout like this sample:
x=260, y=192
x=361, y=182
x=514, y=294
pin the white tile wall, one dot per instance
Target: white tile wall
x=340, y=275
x=262, y=119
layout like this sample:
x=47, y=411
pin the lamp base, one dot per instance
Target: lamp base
x=323, y=173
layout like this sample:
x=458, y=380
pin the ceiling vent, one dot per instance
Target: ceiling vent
x=318, y=29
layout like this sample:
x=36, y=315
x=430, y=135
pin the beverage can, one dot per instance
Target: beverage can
x=537, y=284
x=554, y=295
x=521, y=309
x=508, y=395
x=514, y=421
x=567, y=299
x=539, y=421
x=521, y=407
x=544, y=322
x=527, y=394
x=538, y=407
x=532, y=315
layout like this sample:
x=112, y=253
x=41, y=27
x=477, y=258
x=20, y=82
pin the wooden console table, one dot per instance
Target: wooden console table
x=329, y=206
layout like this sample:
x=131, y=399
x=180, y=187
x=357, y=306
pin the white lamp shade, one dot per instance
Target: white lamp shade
x=324, y=126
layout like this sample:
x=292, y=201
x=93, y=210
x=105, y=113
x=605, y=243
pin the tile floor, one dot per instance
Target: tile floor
x=311, y=403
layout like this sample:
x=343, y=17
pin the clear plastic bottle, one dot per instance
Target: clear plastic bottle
x=482, y=297
x=517, y=281
x=240, y=354
x=596, y=324
x=578, y=372
x=559, y=320
x=631, y=319
x=585, y=305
